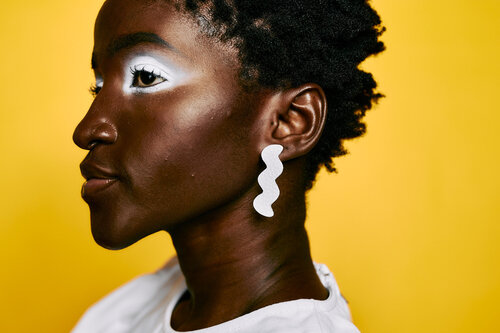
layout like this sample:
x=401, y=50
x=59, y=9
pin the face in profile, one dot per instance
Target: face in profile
x=169, y=130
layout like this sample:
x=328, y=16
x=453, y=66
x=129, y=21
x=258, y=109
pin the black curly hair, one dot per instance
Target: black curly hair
x=287, y=43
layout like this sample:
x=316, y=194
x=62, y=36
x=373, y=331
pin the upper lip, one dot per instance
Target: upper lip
x=91, y=170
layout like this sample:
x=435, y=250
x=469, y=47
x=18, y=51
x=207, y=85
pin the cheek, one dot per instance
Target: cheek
x=189, y=156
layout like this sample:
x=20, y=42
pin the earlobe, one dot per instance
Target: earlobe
x=301, y=120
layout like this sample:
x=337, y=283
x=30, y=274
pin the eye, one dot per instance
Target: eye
x=146, y=76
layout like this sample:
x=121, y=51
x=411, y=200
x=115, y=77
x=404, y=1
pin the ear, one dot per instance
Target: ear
x=298, y=118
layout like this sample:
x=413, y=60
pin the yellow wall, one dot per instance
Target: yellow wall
x=410, y=225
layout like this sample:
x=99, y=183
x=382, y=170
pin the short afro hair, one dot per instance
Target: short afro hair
x=287, y=43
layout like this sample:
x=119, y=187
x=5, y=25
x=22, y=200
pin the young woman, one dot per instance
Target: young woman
x=200, y=106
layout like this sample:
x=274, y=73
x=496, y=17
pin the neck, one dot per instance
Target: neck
x=235, y=261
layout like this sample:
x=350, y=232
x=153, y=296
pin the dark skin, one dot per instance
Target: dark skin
x=184, y=157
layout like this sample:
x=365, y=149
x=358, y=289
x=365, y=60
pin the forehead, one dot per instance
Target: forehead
x=180, y=30
x=121, y=17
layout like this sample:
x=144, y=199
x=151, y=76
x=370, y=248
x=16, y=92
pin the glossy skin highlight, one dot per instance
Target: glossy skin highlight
x=180, y=152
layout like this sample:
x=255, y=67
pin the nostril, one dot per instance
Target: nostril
x=91, y=145
x=88, y=134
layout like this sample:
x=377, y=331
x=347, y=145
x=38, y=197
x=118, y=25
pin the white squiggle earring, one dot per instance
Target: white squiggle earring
x=267, y=180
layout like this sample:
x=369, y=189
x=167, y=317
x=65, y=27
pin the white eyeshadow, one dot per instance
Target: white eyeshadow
x=151, y=64
x=99, y=82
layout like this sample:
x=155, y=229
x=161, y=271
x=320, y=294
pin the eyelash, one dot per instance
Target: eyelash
x=143, y=86
x=136, y=71
x=94, y=90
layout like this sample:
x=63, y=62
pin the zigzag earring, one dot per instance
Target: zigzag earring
x=267, y=180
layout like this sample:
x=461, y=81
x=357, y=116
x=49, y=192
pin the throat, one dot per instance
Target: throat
x=246, y=280
x=235, y=263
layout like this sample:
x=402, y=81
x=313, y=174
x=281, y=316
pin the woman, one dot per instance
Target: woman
x=188, y=95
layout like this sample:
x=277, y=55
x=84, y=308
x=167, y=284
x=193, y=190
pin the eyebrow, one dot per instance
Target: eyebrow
x=130, y=40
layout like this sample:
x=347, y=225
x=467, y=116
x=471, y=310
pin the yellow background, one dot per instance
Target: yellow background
x=410, y=225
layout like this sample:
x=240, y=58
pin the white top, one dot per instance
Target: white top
x=145, y=305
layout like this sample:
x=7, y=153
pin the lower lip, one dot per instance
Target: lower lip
x=96, y=185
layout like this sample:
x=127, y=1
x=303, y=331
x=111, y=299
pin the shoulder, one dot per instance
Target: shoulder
x=307, y=315
x=136, y=301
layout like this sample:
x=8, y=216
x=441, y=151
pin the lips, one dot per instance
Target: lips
x=97, y=178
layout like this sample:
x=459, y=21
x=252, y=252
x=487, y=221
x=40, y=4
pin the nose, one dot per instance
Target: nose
x=95, y=128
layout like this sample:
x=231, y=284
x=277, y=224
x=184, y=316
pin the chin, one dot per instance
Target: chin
x=111, y=235
x=111, y=244
x=111, y=241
